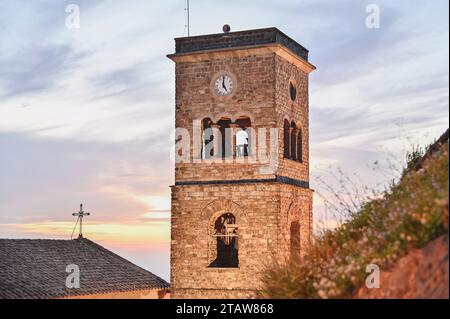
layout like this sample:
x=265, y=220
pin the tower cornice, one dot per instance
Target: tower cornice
x=241, y=52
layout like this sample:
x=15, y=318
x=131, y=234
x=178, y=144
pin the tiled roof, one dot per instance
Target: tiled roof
x=36, y=269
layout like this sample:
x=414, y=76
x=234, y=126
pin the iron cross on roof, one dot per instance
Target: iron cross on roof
x=80, y=215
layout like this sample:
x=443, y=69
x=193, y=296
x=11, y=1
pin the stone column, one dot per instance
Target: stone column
x=217, y=142
x=234, y=127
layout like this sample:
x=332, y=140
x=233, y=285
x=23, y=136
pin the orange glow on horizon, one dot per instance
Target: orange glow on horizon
x=137, y=234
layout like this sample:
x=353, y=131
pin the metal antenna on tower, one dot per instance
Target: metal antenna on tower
x=188, y=22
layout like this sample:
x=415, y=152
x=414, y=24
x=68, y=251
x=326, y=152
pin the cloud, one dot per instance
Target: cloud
x=84, y=83
x=35, y=69
x=47, y=179
x=85, y=114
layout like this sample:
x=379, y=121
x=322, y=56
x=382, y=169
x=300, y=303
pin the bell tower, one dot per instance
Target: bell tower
x=241, y=196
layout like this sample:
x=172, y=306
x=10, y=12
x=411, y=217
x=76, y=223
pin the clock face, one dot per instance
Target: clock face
x=223, y=85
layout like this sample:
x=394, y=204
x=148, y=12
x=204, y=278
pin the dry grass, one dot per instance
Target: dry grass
x=411, y=212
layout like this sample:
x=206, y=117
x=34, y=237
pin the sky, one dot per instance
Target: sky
x=86, y=113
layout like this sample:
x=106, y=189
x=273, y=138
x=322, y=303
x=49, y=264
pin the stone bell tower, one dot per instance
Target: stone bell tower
x=241, y=197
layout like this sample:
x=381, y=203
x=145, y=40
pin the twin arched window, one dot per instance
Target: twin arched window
x=293, y=142
x=240, y=141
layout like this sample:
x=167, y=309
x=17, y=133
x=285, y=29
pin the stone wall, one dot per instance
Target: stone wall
x=216, y=294
x=262, y=94
x=295, y=206
x=263, y=213
x=254, y=98
x=297, y=111
x=195, y=207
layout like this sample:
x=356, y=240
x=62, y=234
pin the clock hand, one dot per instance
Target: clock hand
x=223, y=84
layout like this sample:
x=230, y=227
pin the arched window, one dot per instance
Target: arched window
x=295, y=241
x=225, y=233
x=207, y=139
x=293, y=141
x=300, y=146
x=243, y=138
x=286, y=139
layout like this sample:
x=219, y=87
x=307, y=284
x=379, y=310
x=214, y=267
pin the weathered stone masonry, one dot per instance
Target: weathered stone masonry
x=271, y=211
